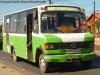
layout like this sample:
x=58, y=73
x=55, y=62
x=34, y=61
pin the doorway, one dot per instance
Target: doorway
x=29, y=37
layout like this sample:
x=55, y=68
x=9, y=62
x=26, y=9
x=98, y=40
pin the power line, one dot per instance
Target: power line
x=72, y=3
x=62, y=2
x=49, y=1
x=56, y=1
x=22, y=1
x=80, y=5
x=39, y=4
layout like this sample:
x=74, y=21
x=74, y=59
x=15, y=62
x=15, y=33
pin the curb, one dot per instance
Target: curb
x=97, y=52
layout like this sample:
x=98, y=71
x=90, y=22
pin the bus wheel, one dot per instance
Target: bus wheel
x=44, y=66
x=86, y=64
x=15, y=58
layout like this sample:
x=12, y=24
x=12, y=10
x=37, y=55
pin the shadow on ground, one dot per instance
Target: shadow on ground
x=0, y=47
x=70, y=67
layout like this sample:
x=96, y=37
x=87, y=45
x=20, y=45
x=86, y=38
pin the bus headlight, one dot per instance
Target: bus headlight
x=49, y=46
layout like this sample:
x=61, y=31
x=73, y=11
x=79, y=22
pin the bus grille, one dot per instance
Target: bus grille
x=71, y=45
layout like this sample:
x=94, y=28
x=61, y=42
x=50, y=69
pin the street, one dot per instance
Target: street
x=28, y=68
x=97, y=41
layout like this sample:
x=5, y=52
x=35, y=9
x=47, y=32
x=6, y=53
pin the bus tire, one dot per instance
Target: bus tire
x=15, y=58
x=44, y=66
x=86, y=64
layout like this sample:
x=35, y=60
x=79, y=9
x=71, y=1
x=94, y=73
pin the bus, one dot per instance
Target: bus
x=37, y=34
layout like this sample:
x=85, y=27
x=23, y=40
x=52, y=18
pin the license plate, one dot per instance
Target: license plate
x=73, y=50
x=74, y=57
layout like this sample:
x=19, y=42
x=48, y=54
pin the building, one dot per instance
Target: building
x=90, y=22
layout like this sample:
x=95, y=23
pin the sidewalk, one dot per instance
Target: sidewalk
x=97, y=52
x=4, y=70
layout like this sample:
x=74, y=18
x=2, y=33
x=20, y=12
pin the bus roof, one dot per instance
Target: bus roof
x=43, y=6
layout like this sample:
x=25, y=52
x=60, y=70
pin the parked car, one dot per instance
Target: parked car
x=1, y=42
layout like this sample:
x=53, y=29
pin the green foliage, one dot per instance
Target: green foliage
x=97, y=24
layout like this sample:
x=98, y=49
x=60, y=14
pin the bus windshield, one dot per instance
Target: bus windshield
x=63, y=22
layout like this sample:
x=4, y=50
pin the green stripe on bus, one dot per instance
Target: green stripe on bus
x=88, y=37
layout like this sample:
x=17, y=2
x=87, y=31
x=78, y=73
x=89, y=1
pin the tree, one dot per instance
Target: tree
x=97, y=24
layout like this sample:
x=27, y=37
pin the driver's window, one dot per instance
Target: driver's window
x=44, y=23
x=51, y=23
x=48, y=23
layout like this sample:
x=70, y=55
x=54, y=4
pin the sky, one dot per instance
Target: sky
x=88, y=5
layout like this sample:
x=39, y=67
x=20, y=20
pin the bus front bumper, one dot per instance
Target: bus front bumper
x=69, y=57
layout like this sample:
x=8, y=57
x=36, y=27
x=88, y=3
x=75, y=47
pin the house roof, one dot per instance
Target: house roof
x=88, y=24
x=97, y=15
x=87, y=17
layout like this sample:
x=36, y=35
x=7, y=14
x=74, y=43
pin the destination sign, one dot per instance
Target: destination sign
x=62, y=8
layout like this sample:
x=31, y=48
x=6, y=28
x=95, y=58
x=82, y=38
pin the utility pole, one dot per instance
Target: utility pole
x=94, y=18
x=49, y=1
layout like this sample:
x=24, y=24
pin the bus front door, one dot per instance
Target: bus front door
x=29, y=38
x=7, y=36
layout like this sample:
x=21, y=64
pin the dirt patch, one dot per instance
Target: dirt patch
x=97, y=47
x=6, y=69
x=97, y=43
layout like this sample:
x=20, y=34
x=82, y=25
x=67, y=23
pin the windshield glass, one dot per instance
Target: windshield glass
x=63, y=22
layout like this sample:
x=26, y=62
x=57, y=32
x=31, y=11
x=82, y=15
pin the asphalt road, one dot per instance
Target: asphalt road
x=28, y=68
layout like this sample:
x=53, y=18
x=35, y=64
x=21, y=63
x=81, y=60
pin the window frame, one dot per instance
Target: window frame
x=35, y=25
x=13, y=22
x=4, y=24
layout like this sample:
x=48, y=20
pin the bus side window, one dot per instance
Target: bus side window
x=21, y=22
x=5, y=23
